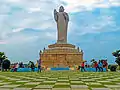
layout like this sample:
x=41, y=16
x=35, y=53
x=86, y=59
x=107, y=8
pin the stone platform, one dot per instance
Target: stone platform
x=61, y=55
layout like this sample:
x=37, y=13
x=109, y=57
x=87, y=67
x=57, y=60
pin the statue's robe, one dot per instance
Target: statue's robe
x=62, y=27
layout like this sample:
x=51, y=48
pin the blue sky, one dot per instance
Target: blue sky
x=27, y=26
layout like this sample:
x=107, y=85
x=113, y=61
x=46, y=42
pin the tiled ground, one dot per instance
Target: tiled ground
x=60, y=80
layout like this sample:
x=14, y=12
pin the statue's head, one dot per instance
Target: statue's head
x=61, y=9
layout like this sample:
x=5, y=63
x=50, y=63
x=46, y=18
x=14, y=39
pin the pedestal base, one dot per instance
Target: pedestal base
x=61, y=55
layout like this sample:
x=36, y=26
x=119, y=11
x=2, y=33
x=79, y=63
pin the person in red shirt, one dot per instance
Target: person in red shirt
x=105, y=64
x=96, y=66
x=83, y=66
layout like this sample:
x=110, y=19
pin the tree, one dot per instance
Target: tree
x=2, y=58
x=116, y=54
x=6, y=64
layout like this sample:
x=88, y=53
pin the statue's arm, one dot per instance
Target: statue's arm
x=66, y=17
x=55, y=15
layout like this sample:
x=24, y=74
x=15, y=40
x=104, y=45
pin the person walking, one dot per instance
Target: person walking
x=96, y=66
x=32, y=66
x=39, y=65
x=83, y=66
x=78, y=67
x=105, y=64
x=100, y=66
x=16, y=67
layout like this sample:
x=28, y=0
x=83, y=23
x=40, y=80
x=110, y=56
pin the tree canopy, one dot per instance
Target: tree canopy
x=4, y=62
x=2, y=57
x=117, y=55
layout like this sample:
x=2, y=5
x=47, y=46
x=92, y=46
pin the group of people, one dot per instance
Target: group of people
x=31, y=65
x=15, y=67
x=97, y=65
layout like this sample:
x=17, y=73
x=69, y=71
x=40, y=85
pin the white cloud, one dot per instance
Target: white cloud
x=34, y=10
x=13, y=0
x=17, y=30
x=83, y=5
x=102, y=23
x=51, y=35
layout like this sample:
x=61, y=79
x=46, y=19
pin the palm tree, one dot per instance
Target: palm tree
x=116, y=54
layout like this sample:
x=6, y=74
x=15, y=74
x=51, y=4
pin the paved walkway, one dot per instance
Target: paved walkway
x=60, y=80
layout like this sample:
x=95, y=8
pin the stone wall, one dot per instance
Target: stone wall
x=61, y=60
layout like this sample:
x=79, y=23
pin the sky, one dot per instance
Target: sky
x=27, y=26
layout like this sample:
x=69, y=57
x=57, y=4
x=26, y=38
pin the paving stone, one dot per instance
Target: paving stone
x=1, y=81
x=105, y=77
x=4, y=83
x=63, y=80
x=62, y=83
x=39, y=80
x=32, y=83
x=5, y=89
x=15, y=79
x=22, y=81
x=41, y=89
x=104, y=81
x=115, y=80
x=97, y=78
x=10, y=86
x=118, y=83
x=49, y=81
x=88, y=80
x=101, y=89
x=76, y=81
x=79, y=89
x=52, y=78
x=93, y=83
x=22, y=89
x=44, y=86
x=43, y=77
x=109, y=79
x=116, y=89
x=63, y=77
x=112, y=86
x=61, y=89
x=79, y=86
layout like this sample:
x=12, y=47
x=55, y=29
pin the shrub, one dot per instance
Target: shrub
x=6, y=64
x=113, y=67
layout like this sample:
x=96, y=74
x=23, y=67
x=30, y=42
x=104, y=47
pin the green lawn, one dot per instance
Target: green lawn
x=64, y=80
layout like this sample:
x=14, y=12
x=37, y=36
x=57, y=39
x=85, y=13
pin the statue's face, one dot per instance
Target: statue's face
x=61, y=9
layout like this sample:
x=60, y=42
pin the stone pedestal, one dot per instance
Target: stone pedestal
x=61, y=55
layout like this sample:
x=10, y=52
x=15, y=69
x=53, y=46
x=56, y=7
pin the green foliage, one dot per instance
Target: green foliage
x=113, y=67
x=6, y=64
x=2, y=57
x=117, y=55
